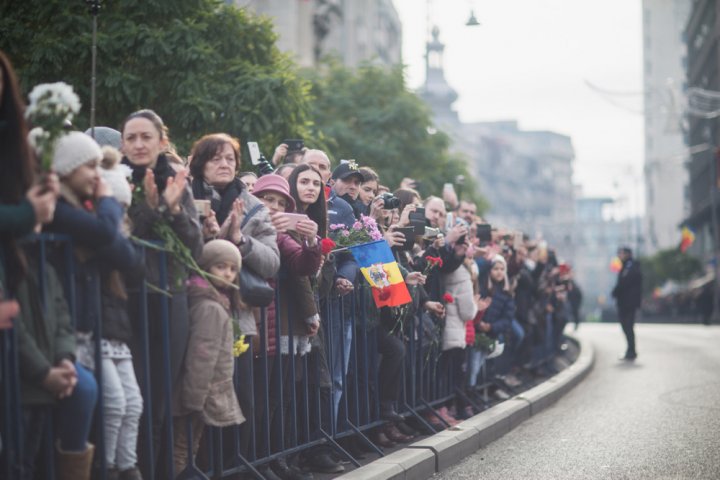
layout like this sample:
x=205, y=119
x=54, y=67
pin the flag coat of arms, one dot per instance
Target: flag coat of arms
x=382, y=272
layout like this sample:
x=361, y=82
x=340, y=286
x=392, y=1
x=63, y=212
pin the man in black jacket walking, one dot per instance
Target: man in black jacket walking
x=628, y=294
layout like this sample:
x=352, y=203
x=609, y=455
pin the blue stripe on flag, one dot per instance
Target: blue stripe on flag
x=369, y=254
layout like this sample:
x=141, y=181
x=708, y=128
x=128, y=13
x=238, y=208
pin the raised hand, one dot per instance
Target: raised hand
x=308, y=229
x=415, y=278
x=151, y=192
x=174, y=189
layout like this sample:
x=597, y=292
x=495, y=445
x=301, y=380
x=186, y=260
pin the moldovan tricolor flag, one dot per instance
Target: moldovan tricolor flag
x=687, y=239
x=382, y=273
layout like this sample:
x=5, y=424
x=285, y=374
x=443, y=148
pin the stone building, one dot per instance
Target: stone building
x=353, y=30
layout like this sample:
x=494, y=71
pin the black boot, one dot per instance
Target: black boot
x=387, y=412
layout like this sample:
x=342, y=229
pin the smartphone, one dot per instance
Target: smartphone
x=518, y=240
x=254, y=152
x=484, y=233
x=418, y=221
x=202, y=207
x=294, y=218
x=294, y=145
x=409, y=233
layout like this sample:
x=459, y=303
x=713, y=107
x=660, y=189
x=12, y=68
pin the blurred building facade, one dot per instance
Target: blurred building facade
x=353, y=30
x=666, y=178
x=702, y=35
x=525, y=175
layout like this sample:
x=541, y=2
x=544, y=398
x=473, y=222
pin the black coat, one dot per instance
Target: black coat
x=628, y=290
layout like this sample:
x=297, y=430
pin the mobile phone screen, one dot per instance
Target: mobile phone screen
x=409, y=233
x=254, y=152
x=294, y=218
x=484, y=232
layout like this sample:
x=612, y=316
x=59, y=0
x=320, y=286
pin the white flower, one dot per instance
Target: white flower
x=53, y=99
x=37, y=138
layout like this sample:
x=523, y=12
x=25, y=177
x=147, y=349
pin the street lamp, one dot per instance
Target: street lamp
x=94, y=8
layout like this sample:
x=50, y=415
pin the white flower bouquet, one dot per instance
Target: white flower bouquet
x=51, y=105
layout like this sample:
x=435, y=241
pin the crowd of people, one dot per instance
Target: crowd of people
x=215, y=293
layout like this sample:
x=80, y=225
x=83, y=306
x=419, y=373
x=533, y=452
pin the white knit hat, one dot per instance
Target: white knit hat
x=116, y=175
x=73, y=150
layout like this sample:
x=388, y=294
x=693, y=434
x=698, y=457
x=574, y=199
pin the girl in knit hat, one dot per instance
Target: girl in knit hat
x=91, y=217
x=499, y=316
x=205, y=393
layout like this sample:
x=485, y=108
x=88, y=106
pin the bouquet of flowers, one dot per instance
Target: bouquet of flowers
x=51, y=106
x=364, y=230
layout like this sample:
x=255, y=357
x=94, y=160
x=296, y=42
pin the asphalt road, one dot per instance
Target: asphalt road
x=656, y=418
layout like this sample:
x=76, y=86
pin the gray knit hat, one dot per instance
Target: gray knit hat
x=216, y=251
x=106, y=136
x=73, y=150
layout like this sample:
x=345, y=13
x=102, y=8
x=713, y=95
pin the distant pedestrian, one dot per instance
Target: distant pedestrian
x=628, y=294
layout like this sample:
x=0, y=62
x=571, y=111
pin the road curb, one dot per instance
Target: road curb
x=424, y=458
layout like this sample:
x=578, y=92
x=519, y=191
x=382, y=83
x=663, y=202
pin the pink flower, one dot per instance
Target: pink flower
x=345, y=233
x=357, y=225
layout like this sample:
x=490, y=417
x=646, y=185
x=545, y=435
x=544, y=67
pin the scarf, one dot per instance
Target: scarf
x=162, y=172
x=221, y=201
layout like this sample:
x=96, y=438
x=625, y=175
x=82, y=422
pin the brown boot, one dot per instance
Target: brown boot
x=74, y=465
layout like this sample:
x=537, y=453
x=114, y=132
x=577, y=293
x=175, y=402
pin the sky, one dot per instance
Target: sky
x=530, y=61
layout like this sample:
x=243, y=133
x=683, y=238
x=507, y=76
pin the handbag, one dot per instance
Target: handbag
x=254, y=290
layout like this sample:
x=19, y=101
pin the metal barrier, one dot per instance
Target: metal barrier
x=294, y=409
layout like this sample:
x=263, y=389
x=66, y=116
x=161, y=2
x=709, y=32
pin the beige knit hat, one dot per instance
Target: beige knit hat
x=73, y=150
x=216, y=251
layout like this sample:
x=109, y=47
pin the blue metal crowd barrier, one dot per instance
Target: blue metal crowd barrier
x=293, y=410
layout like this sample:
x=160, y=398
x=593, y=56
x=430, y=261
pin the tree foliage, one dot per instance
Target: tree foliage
x=670, y=264
x=368, y=114
x=202, y=65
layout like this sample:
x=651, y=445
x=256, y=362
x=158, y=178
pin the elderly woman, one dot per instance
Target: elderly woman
x=243, y=220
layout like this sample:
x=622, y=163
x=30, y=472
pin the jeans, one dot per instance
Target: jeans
x=75, y=413
x=339, y=337
x=74, y=417
x=123, y=407
x=476, y=359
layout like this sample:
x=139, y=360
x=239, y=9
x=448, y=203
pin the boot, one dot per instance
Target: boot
x=74, y=465
x=387, y=412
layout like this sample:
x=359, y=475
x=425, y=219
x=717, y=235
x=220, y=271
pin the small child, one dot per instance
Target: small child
x=121, y=393
x=206, y=394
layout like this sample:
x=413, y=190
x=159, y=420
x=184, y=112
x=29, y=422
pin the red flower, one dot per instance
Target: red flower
x=432, y=262
x=447, y=298
x=326, y=245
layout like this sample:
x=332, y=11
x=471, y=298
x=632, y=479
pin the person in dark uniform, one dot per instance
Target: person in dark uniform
x=628, y=294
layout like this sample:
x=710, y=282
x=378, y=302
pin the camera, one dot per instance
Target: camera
x=431, y=233
x=390, y=201
x=264, y=167
x=259, y=160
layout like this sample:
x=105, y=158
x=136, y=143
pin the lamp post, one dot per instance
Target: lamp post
x=94, y=8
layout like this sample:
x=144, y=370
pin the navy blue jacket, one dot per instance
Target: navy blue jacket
x=500, y=313
x=339, y=211
x=99, y=247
